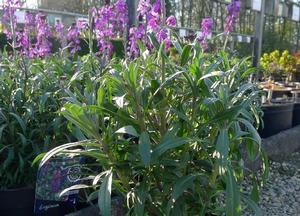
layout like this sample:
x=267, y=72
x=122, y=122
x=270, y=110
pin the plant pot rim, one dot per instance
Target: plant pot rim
x=27, y=188
x=278, y=104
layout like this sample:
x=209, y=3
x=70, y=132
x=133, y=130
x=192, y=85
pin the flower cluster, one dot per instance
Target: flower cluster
x=110, y=23
x=206, y=30
x=136, y=34
x=43, y=45
x=8, y=18
x=60, y=33
x=233, y=12
x=73, y=37
x=152, y=16
x=24, y=40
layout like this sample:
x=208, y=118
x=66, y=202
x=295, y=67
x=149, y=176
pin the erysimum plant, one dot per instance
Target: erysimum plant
x=30, y=95
x=167, y=132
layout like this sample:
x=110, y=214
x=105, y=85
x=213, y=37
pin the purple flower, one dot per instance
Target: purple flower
x=156, y=8
x=136, y=34
x=24, y=37
x=143, y=7
x=8, y=18
x=206, y=30
x=60, y=33
x=233, y=12
x=43, y=44
x=73, y=38
x=163, y=36
x=154, y=24
x=206, y=26
x=171, y=21
x=110, y=23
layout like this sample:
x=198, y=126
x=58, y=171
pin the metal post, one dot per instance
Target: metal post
x=257, y=45
x=163, y=7
x=132, y=6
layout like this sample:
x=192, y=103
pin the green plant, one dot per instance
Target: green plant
x=288, y=64
x=271, y=63
x=30, y=95
x=166, y=131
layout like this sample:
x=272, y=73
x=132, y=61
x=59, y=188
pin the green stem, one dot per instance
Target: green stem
x=140, y=115
x=91, y=23
x=226, y=41
x=120, y=173
x=12, y=27
x=163, y=120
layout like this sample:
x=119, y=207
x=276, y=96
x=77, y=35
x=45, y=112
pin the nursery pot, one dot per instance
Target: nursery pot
x=277, y=118
x=297, y=76
x=18, y=202
x=296, y=114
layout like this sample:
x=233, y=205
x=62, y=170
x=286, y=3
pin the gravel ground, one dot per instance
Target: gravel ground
x=281, y=194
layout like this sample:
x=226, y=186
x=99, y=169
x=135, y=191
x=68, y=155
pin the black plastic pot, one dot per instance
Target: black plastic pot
x=277, y=118
x=18, y=202
x=296, y=115
x=297, y=76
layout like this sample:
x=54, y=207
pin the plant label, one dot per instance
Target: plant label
x=53, y=178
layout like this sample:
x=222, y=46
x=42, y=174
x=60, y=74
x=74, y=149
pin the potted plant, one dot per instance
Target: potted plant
x=278, y=111
x=277, y=117
x=297, y=66
x=29, y=100
x=165, y=132
x=288, y=64
x=271, y=66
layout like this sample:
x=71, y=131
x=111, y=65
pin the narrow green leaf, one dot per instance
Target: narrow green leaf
x=252, y=130
x=128, y=130
x=74, y=187
x=38, y=158
x=100, y=96
x=104, y=197
x=233, y=203
x=185, y=54
x=167, y=144
x=20, y=121
x=145, y=148
x=257, y=211
x=213, y=74
x=223, y=146
x=61, y=148
x=178, y=47
x=255, y=192
x=2, y=129
x=180, y=187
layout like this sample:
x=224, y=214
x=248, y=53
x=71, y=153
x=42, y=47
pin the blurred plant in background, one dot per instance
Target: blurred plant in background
x=279, y=64
x=270, y=63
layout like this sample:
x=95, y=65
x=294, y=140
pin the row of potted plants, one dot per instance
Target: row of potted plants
x=281, y=66
x=279, y=117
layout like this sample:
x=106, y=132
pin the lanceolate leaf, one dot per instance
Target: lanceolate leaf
x=75, y=187
x=61, y=148
x=179, y=188
x=257, y=211
x=185, y=54
x=104, y=197
x=171, y=142
x=252, y=130
x=145, y=148
x=223, y=145
x=233, y=203
x=128, y=130
x=100, y=96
